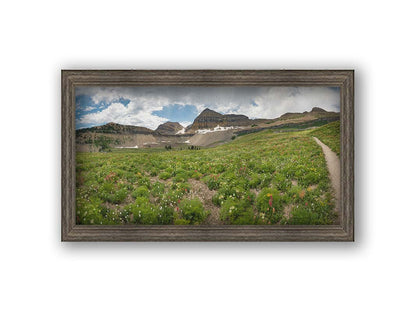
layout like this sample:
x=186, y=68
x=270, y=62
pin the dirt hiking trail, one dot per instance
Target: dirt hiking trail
x=334, y=168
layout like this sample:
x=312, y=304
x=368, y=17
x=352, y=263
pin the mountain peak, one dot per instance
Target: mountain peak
x=208, y=112
x=318, y=110
x=169, y=128
x=210, y=119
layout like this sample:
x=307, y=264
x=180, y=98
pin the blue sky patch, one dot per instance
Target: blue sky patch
x=84, y=105
x=176, y=112
x=122, y=101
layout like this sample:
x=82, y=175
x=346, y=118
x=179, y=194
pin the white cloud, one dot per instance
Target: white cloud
x=271, y=102
x=132, y=114
x=186, y=123
x=277, y=101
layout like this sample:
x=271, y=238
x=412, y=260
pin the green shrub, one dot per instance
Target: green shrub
x=235, y=211
x=141, y=191
x=181, y=222
x=233, y=192
x=266, y=168
x=219, y=168
x=281, y=182
x=158, y=189
x=218, y=199
x=182, y=188
x=164, y=175
x=171, y=198
x=144, y=213
x=270, y=206
x=193, y=211
x=265, y=180
x=142, y=201
x=180, y=177
x=103, y=143
x=312, y=176
x=164, y=214
x=212, y=182
x=112, y=193
x=89, y=211
x=302, y=215
x=196, y=175
x=254, y=181
x=144, y=181
x=114, y=217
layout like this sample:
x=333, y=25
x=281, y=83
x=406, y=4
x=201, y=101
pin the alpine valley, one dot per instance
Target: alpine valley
x=209, y=129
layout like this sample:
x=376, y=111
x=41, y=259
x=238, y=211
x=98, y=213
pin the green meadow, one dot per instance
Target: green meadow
x=264, y=178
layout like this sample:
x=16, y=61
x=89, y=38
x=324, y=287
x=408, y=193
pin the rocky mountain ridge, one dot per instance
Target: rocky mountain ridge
x=209, y=127
x=116, y=128
x=210, y=119
x=169, y=128
x=207, y=119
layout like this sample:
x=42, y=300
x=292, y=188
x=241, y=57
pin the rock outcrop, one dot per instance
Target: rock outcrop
x=318, y=110
x=169, y=128
x=210, y=119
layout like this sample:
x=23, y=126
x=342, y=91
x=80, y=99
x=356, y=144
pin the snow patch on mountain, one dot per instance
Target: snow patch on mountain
x=217, y=128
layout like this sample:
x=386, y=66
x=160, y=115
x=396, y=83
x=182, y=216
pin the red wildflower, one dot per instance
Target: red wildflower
x=110, y=176
x=271, y=201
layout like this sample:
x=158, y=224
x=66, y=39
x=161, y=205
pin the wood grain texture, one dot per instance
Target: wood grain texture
x=341, y=78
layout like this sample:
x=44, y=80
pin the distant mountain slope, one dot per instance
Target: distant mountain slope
x=116, y=129
x=316, y=117
x=209, y=119
x=208, y=128
x=316, y=111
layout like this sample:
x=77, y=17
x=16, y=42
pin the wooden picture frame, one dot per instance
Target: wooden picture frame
x=344, y=79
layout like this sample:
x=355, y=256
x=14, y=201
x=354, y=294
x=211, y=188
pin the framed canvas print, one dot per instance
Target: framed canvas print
x=207, y=155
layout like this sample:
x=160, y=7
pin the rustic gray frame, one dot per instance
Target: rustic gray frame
x=340, y=78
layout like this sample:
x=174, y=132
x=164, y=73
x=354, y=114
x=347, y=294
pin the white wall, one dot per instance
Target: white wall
x=39, y=273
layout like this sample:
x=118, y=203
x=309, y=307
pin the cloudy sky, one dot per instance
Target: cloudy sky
x=151, y=106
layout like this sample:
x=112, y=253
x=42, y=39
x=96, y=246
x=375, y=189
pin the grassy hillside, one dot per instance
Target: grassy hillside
x=330, y=135
x=260, y=178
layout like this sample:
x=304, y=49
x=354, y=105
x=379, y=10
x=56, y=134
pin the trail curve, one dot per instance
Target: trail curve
x=334, y=168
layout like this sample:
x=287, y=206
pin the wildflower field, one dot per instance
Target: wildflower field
x=260, y=178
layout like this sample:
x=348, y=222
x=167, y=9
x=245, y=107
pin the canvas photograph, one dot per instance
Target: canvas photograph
x=207, y=155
